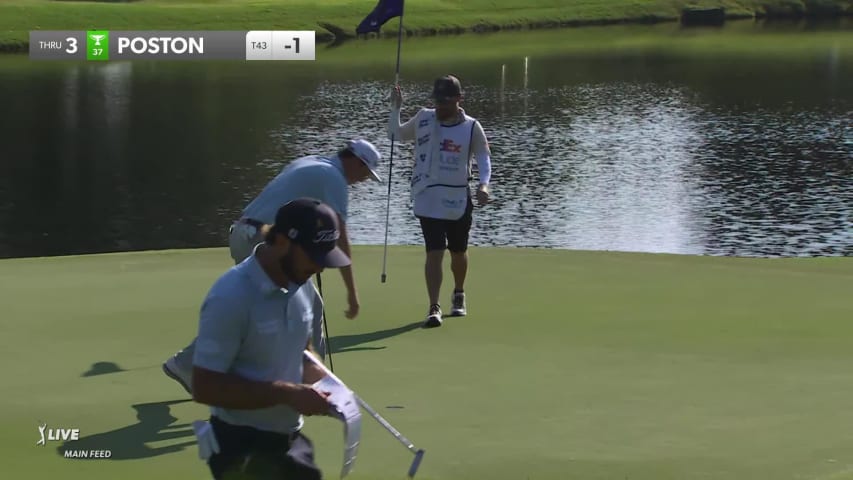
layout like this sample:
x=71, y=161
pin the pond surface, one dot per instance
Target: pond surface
x=684, y=142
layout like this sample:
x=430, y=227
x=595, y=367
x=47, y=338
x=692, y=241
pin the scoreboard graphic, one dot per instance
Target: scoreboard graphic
x=107, y=45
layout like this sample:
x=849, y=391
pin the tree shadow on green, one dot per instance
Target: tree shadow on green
x=348, y=343
x=155, y=424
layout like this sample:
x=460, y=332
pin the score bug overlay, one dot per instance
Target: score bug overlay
x=280, y=45
x=107, y=45
x=97, y=45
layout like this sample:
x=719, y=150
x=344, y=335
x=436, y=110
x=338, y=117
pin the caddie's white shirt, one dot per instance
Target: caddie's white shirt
x=442, y=161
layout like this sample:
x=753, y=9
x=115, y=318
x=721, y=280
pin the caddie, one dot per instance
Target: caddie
x=447, y=141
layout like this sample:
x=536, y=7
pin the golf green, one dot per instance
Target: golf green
x=587, y=365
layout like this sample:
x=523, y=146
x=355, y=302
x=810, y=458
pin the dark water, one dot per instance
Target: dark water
x=641, y=150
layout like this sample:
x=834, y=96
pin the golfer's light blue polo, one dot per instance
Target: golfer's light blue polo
x=312, y=176
x=252, y=328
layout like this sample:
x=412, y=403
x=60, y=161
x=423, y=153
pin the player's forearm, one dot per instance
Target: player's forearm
x=346, y=272
x=311, y=373
x=343, y=240
x=394, y=124
x=483, y=155
x=484, y=167
x=400, y=131
x=227, y=390
x=348, y=278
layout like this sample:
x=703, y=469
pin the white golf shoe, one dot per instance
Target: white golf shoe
x=458, y=305
x=434, y=318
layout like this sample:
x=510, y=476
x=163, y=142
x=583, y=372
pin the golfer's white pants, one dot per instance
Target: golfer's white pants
x=242, y=240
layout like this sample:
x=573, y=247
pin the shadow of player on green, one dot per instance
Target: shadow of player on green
x=156, y=424
x=350, y=343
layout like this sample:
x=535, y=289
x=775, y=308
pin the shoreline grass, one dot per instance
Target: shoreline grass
x=618, y=365
x=423, y=17
x=744, y=39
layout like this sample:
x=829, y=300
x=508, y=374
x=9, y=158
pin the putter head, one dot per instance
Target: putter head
x=416, y=463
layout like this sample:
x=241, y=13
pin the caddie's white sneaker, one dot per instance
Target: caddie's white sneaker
x=434, y=318
x=458, y=302
x=176, y=373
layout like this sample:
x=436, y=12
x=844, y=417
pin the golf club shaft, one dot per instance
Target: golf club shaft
x=405, y=441
x=325, y=324
x=399, y=436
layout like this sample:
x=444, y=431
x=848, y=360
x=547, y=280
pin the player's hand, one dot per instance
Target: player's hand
x=483, y=196
x=352, y=300
x=396, y=98
x=307, y=400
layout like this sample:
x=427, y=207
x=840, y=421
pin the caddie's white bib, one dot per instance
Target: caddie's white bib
x=442, y=167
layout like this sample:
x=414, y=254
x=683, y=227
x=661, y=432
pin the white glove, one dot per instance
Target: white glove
x=207, y=444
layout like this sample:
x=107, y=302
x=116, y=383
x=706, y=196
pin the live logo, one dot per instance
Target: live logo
x=63, y=434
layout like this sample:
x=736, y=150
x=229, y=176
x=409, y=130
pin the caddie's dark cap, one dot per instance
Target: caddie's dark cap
x=313, y=225
x=446, y=87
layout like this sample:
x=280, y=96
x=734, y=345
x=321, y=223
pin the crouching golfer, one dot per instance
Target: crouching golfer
x=248, y=365
x=323, y=178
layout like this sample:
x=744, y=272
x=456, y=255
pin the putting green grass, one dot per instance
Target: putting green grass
x=18, y=17
x=588, y=365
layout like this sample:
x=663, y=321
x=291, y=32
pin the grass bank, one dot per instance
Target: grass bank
x=589, y=365
x=423, y=17
x=743, y=40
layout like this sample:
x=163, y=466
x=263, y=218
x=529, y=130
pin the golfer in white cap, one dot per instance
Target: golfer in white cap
x=324, y=178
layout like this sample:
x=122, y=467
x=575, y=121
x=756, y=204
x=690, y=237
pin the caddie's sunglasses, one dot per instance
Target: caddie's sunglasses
x=443, y=100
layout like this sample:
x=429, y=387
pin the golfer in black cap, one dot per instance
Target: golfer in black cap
x=322, y=177
x=255, y=324
x=447, y=141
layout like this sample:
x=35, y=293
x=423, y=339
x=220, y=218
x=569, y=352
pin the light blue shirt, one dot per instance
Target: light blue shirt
x=252, y=328
x=312, y=176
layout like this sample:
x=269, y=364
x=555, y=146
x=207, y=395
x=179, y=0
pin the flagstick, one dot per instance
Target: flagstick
x=391, y=161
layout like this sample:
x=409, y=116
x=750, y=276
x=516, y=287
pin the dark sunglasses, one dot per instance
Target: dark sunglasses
x=443, y=99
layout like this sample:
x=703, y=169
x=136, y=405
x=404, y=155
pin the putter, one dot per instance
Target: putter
x=325, y=324
x=419, y=453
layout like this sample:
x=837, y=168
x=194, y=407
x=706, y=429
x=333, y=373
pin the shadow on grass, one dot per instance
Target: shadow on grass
x=102, y=368
x=105, y=368
x=348, y=343
x=156, y=424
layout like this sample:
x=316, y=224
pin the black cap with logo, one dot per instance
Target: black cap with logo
x=446, y=87
x=314, y=226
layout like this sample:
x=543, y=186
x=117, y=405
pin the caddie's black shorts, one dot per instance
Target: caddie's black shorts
x=450, y=234
x=249, y=453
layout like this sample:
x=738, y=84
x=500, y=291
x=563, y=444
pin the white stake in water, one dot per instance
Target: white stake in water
x=503, y=84
x=525, y=85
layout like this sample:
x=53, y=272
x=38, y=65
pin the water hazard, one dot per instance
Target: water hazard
x=635, y=151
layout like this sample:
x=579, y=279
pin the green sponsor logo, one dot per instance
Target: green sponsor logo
x=98, y=44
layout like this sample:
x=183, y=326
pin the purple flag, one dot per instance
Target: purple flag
x=385, y=10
